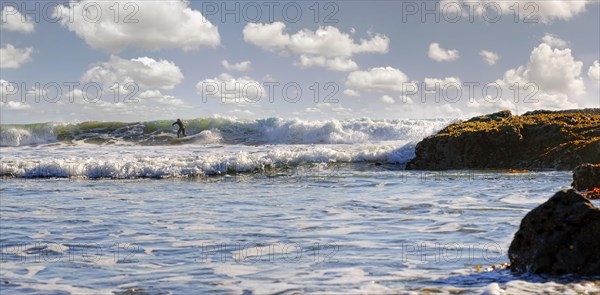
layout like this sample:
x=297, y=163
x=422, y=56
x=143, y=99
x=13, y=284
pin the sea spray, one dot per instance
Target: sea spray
x=215, y=146
x=222, y=130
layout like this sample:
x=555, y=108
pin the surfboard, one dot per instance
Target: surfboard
x=174, y=139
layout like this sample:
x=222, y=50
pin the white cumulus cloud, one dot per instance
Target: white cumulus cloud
x=490, y=57
x=553, y=70
x=594, y=72
x=150, y=25
x=439, y=54
x=13, y=58
x=325, y=41
x=445, y=111
x=351, y=92
x=547, y=81
x=13, y=20
x=146, y=72
x=339, y=64
x=240, y=67
x=554, y=41
x=538, y=11
x=158, y=97
x=230, y=89
x=325, y=47
x=379, y=79
x=14, y=105
x=387, y=99
x=435, y=83
x=267, y=36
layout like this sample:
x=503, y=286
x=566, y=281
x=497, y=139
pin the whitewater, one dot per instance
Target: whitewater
x=267, y=206
x=213, y=146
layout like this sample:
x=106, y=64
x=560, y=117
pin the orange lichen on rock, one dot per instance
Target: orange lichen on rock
x=515, y=171
x=593, y=193
x=587, y=177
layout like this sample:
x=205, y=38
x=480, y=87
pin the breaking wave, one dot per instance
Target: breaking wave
x=215, y=146
x=220, y=130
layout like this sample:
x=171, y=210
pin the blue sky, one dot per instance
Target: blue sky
x=377, y=59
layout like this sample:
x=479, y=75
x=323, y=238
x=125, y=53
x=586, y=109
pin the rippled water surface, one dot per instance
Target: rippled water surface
x=336, y=229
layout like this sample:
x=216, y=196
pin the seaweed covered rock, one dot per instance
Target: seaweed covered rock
x=492, y=117
x=558, y=237
x=560, y=140
x=589, y=111
x=587, y=177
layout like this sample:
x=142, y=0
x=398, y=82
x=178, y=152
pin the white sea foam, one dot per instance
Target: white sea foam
x=214, y=146
x=27, y=136
x=119, y=162
x=223, y=130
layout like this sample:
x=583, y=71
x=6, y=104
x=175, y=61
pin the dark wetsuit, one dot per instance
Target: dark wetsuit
x=181, y=128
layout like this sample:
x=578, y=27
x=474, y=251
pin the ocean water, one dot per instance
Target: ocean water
x=257, y=207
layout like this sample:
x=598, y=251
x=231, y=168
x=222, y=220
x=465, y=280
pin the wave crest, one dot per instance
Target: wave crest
x=221, y=130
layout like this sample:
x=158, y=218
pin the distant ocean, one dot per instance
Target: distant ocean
x=270, y=206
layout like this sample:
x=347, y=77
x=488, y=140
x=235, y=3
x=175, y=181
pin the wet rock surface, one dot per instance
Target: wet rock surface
x=587, y=177
x=561, y=236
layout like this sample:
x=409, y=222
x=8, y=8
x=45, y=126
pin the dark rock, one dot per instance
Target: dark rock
x=587, y=177
x=492, y=117
x=589, y=111
x=558, y=237
x=502, y=141
x=593, y=194
x=570, y=154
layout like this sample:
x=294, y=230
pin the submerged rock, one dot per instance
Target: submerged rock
x=587, y=177
x=559, y=237
x=502, y=141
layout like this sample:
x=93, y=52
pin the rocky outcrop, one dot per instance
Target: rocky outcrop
x=559, y=237
x=587, y=177
x=589, y=111
x=492, y=117
x=503, y=141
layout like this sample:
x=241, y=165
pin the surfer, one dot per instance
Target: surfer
x=181, y=127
